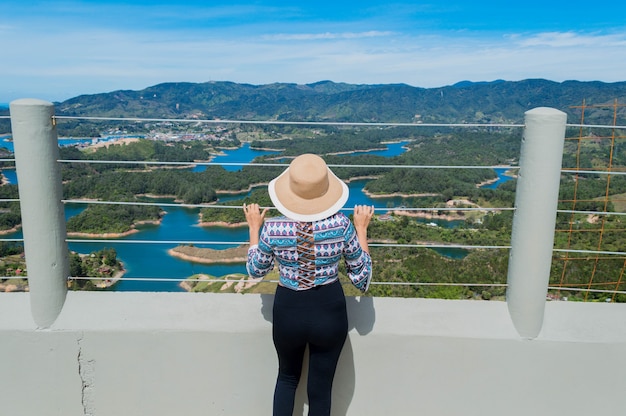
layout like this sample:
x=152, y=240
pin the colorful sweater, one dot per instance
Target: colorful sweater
x=335, y=237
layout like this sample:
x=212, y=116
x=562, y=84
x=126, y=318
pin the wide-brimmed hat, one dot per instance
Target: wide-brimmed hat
x=308, y=190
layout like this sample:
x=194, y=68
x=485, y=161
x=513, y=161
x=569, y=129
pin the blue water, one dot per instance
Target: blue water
x=358, y=197
x=150, y=260
x=242, y=154
x=238, y=196
x=11, y=175
x=8, y=144
x=501, y=178
x=393, y=149
x=144, y=261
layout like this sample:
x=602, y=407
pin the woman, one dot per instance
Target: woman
x=308, y=242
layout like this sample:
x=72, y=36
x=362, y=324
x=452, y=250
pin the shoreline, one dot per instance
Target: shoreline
x=508, y=173
x=107, y=283
x=210, y=256
x=349, y=152
x=243, y=191
x=11, y=230
x=360, y=178
x=398, y=194
x=377, y=149
x=267, y=149
x=102, y=235
x=426, y=215
x=132, y=231
x=222, y=224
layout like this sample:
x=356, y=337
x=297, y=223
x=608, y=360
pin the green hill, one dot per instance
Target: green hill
x=464, y=102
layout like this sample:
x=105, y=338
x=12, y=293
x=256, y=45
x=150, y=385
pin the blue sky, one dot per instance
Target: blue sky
x=55, y=50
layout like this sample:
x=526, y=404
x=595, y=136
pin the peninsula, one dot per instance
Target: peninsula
x=209, y=255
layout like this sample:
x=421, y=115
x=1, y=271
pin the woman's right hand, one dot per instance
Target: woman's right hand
x=362, y=216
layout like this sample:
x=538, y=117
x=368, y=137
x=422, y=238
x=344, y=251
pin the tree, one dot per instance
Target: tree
x=76, y=265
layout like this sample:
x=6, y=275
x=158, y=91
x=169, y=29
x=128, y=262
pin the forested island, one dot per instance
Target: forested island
x=434, y=188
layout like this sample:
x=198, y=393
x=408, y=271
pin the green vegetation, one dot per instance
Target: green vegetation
x=10, y=216
x=102, y=266
x=111, y=219
x=100, y=269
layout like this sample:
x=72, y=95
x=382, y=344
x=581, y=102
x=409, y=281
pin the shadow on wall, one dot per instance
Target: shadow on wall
x=361, y=317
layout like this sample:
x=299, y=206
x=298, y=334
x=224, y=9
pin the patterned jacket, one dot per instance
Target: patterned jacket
x=334, y=237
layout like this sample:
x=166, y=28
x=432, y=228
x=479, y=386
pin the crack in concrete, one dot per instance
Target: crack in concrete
x=86, y=372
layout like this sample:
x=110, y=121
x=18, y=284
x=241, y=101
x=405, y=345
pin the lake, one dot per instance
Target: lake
x=145, y=261
x=243, y=154
x=8, y=144
x=502, y=177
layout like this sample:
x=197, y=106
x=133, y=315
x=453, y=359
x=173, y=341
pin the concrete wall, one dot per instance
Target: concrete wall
x=211, y=354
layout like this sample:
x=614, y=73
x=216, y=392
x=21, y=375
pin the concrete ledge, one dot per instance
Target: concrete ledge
x=117, y=353
x=144, y=311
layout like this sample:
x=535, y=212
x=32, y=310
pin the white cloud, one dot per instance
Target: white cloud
x=328, y=35
x=572, y=39
x=66, y=64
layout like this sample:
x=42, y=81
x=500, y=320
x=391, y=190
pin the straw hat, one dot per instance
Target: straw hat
x=308, y=190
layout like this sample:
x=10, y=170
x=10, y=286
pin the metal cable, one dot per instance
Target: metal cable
x=173, y=204
x=241, y=243
x=568, y=250
x=572, y=289
x=595, y=126
x=593, y=172
x=569, y=211
x=264, y=164
x=283, y=165
x=274, y=122
x=315, y=123
x=244, y=278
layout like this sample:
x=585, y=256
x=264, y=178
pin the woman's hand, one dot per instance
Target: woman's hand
x=255, y=218
x=362, y=216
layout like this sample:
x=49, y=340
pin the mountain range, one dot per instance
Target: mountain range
x=465, y=102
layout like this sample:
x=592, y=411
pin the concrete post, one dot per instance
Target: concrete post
x=43, y=219
x=534, y=221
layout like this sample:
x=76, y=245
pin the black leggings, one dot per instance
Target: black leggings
x=316, y=317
